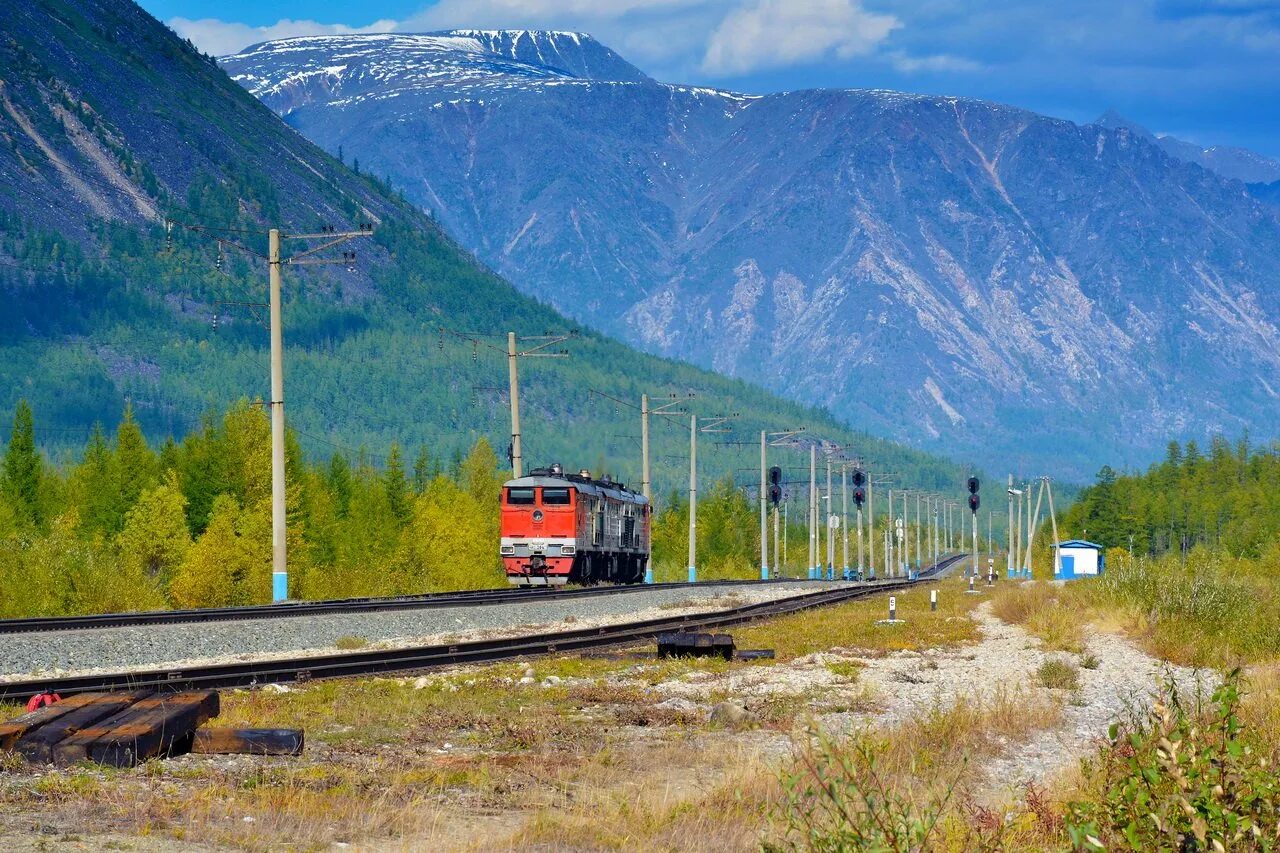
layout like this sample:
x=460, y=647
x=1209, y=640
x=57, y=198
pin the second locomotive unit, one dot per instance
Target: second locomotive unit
x=562, y=528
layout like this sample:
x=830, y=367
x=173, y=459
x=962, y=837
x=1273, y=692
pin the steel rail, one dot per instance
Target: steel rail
x=424, y=601
x=347, y=664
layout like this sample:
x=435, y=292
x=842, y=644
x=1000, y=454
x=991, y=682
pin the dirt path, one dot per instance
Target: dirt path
x=1007, y=658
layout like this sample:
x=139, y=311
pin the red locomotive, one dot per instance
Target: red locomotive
x=562, y=528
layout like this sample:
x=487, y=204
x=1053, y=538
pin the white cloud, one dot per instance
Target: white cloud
x=938, y=62
x=220, y=38
x=774, y=33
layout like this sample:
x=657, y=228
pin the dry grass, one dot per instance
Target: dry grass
x=854, y=625
x=1056, y=614
x=926, y=764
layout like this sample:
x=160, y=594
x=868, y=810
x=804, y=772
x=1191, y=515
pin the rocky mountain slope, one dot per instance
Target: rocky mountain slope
x=962, y=275
x=1239, y=164
x=110, y=126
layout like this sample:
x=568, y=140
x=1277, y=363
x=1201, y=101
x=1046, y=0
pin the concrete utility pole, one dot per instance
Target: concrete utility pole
x=693, y=498
x=708, y=425
x=666, y=410
x=279, y=538
x=1010, y=537
x=1031, y=528
x=275, y=260
x=1053, y=520
x=513, y=381
x=871, y=528
x=890, y=564
x=844, y=518
x=906, y=537
x=813, y=510
x=831, y=531
x=919, y=552
x=764, y=512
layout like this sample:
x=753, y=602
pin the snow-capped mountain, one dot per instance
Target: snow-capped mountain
x=968, y=276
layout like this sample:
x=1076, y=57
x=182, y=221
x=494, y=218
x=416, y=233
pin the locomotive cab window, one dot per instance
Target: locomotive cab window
x=555, y=497
x=520, y=496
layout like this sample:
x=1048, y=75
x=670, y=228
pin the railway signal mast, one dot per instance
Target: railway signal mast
x=974, y=502
x=859, y=498
x=773, y=495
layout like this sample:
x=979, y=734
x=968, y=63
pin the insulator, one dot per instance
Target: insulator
x=218, y=262
x=215, y=322
x=475, y=351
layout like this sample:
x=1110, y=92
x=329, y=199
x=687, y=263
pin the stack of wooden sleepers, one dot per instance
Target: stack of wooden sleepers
x=122, y=729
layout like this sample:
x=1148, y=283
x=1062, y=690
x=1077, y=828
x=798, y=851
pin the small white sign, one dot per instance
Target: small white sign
x=833, y=521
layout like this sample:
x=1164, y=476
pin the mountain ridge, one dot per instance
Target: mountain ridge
x=943, y=271
x=110, y=126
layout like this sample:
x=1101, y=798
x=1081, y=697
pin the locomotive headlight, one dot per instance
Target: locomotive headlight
x=537, y=515
x=508, y=550
x=567, y=550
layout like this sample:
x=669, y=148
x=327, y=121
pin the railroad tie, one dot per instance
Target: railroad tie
x=150, y=727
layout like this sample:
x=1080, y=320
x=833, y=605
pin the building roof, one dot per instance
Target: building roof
x=1078, y=543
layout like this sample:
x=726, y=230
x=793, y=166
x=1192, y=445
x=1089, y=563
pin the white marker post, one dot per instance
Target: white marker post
x=933, y=600
x=893, y=609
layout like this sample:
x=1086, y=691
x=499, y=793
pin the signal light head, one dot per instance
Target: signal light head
x=974, y=502
x=859, y=496
x=858, y=477
x=775, y=475
x=973, y=485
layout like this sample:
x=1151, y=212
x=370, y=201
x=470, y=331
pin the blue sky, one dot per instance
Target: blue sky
x=1208, y=72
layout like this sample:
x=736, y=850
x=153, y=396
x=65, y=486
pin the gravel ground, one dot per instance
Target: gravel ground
x=149, y=646
x=894, y=688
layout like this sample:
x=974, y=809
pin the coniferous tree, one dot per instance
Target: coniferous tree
x=23, y=466
x=397, y=485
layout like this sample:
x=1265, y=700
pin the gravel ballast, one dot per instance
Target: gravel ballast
x=150, y=646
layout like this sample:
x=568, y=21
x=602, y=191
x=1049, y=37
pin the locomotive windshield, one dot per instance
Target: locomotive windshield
x=520, y=496
x=555, y=497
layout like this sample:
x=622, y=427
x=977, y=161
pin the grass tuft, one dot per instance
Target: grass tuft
x=1058, y=674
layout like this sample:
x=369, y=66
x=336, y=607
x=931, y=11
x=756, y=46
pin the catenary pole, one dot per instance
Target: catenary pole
x=871, y=527
x=1053, y=520
x=831, y=533
x=517, y=459
x=764, y=513
x=844, y=517
x=693, y=497
x=813, y=510
x=279, y=537
x=644, y=448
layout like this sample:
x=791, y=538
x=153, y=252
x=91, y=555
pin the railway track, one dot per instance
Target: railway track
x=347, y=664
x=472, y=598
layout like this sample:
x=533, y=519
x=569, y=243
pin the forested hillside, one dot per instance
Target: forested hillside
x=126, y=526
x=1226, y=499
x=111, y=126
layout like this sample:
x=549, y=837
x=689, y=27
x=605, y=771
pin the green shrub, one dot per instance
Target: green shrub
x=1058, y=674
x=1180, y=779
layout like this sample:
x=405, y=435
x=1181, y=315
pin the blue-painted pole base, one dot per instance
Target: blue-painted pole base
x=693, y=574
x=764, y=573
x=648, y=575
x=831, y=573
x=279, y=586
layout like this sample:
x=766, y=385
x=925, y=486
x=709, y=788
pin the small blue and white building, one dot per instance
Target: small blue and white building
x=1079, y=559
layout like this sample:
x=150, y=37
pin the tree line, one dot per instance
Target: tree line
x=1223, y=499
x=125, y=526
